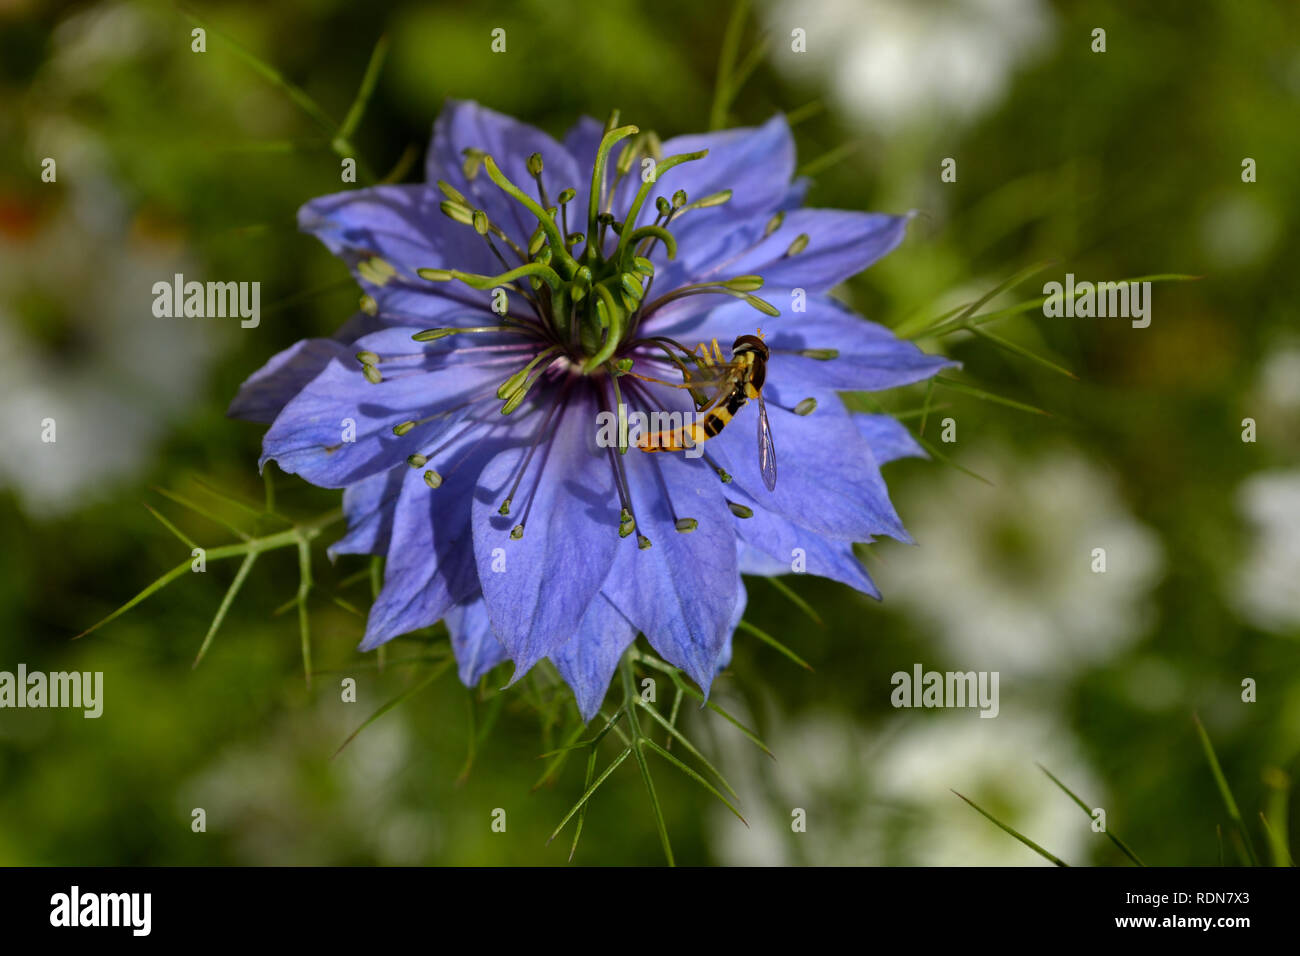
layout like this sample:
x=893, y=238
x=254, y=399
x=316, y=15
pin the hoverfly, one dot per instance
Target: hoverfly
x=735, y=383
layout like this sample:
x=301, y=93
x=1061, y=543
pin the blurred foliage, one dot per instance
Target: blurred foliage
x=1112, y=165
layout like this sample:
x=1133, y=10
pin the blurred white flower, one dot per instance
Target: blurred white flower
x=892, y=63
x=1268, y=580
x=1279, y=378
x=1005, y=575
x=267, y=796
x=888, y=800
x=79, y=345
x=1239, y=230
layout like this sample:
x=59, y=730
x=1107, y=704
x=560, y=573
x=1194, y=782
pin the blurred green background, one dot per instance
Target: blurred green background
x=1115, y=164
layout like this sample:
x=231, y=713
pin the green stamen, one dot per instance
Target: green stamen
x=635, y=209
x=607, y=142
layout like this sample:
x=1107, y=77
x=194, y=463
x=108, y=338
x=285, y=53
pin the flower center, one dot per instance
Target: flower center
x=586, y=302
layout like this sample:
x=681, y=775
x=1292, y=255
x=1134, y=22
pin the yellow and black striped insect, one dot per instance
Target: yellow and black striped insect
x=734, y=384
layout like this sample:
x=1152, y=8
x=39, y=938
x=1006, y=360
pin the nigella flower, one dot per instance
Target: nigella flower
x=528, y=287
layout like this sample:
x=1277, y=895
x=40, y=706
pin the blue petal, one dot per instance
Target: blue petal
x=587, y=661
x=264, y=394
x=582, y=140
x=870, y=357
x=307, y=437
x=539, y=586
x=430, y=564
x=465, y=125
x=476, y=648
x=840, y=244
x=888, y=438
x=756, y=164
x=828, y=479
x=369, y=506
x=772, y=542
x=404, y=226
x=742, y=599
x=681, y=591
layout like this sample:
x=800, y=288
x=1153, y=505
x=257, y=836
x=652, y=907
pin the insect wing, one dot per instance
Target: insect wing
x=766, y=450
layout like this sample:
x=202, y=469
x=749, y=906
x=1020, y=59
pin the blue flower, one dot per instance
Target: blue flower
x=505, y=310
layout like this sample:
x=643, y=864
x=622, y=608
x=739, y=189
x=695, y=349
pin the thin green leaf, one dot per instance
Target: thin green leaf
x=402, y=166
x=802, y=113
x=1019, y=836
x=346, y=605
x=614, y=765
x=672, y=716
x=722, y=90
x=229, y=499
x=156, y=586
x=687, y=688
x=828, y=159
x=476, y=738
x=411, y=691
x=974, y=392
x=696, y=777
x=304, y=588
x=171, y=527
x=245, y=566
x=582, y=814
x=295, y=93
x=920, y=413
x=630, y=697
x=1279, y=799
x=1124, y=848
x=1036, y=303
x=796, y=600
x=1281, y=855
x=928, y=327
x=200, y=510
x=1020, y=350
x=338, y=142
x=926, y=405
x=929, y=447
x=358, y=109
x=676, y=734
x=1225, y=791
x=268, y=478
x=772, y=642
